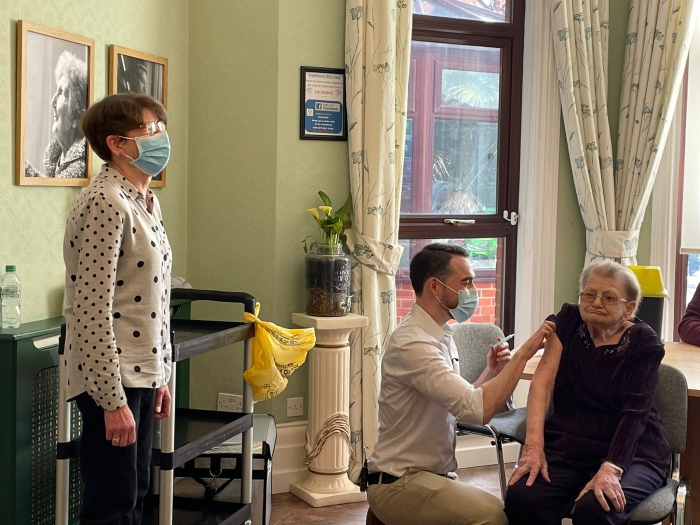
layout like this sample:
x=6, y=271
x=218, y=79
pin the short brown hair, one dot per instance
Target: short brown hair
x=434, y=260
x=116, y=115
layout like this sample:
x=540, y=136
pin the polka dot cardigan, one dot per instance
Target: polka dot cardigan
x=118, y=261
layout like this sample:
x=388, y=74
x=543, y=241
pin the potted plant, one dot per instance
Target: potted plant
x=327, y=266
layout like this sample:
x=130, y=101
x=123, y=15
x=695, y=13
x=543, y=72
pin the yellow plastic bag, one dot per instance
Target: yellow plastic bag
x=277, y=353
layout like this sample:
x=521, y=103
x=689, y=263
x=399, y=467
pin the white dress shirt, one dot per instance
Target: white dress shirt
x=422, y=397
x=118, y=262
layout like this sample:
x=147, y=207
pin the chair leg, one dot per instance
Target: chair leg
x=501, y=467
x=683, y=506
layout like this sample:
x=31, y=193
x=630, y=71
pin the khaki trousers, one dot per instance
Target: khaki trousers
x=422, y=498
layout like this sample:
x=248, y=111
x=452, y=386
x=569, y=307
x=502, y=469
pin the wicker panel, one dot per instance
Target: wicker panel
x=44, y=425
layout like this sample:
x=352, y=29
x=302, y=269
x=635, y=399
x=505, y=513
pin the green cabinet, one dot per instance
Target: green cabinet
x=28, y=390
x=28, y=412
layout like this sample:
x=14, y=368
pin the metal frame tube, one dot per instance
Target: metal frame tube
x=683, y=508
x=167, y=446
x=62, y=465
x=247, y=440
x=501, y=467
x=155, y=469
x=676, y=467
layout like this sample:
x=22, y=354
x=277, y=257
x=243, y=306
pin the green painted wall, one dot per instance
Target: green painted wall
x=251, y=178
x=311, y=33
x=32, y=219
x=571, y=235
x=240, y=179
x=232, y=170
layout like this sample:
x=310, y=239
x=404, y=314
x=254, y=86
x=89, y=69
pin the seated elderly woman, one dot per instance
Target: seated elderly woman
x=604, y=447
x=65, y=155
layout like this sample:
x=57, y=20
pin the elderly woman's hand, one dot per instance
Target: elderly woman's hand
x=533, y=461
x=606, y=482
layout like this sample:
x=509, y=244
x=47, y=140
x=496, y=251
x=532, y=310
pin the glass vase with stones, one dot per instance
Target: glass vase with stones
x=327, y=281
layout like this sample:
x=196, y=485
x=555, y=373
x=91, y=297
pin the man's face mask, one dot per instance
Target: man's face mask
x=467, y=302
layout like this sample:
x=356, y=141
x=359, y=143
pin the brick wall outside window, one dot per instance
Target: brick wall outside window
x=485, y=313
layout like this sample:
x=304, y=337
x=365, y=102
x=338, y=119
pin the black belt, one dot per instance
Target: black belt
x=387, y=479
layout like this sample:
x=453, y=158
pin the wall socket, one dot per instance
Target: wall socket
x=295, y=406
x=229, y=403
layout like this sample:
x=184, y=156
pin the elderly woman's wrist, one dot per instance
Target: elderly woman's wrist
x=613, y=468
x=534, y=442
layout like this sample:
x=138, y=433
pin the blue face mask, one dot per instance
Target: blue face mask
x=154, y=153
x=466, y=306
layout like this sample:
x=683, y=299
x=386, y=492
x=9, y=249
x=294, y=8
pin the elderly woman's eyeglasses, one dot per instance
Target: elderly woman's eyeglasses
x=607, y=299
x=153, y=127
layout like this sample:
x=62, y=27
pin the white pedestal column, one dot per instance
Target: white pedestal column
x=329, y=405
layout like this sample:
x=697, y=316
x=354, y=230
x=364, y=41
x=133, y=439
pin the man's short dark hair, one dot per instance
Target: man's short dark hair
x=433, y=261
x=116, y=115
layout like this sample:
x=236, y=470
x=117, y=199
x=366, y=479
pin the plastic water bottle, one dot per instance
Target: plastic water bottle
x=10, y=290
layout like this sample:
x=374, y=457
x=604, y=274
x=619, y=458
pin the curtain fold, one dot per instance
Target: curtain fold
x=658, y=40
x=377, y=61
x=580, y=35
x=613, y=198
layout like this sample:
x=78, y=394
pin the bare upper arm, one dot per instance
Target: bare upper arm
x=547, y=369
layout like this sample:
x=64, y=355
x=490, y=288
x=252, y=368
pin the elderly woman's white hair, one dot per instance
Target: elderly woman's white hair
x=75, y=71
x=612, y=270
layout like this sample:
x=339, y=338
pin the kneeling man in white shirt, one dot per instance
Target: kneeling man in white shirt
x=423, y=396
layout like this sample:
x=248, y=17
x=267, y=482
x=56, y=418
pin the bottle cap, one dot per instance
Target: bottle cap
x=10, y=268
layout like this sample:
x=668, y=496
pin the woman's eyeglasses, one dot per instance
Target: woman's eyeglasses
x=607, y=299
x=153, y=127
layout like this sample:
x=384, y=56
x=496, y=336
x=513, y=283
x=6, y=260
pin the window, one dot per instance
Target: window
x=481, y=10
x=463, y=143
x=692, y=276
x=688, y=242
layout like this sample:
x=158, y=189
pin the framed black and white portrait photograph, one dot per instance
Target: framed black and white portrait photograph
x=132, y=71
x=54, y=88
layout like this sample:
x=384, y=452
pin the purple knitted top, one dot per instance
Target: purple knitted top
x=604, y=397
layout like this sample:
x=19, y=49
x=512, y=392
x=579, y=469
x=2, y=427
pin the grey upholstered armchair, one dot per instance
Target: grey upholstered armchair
x=472, y=341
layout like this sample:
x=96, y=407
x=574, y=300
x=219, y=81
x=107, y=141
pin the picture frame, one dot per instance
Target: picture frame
x=322, y=108
x=55, y=85
x=132, y=71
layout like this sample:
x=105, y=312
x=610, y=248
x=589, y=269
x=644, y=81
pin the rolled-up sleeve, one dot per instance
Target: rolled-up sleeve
x=566, y=321
x=423, y=367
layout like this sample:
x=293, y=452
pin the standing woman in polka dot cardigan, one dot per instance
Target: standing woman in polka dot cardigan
x=118, y=263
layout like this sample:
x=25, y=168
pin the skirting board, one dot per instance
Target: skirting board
x=477, y=451
x=288, y=462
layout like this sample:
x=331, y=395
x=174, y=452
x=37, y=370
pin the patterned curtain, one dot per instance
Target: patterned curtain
x=377, y=54
x=658, y=39
x=580, y=34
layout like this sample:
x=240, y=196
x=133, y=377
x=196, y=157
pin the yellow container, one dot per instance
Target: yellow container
x=650, y=280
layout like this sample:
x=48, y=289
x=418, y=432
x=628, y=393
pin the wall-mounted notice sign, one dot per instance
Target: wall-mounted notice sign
x=322, y=115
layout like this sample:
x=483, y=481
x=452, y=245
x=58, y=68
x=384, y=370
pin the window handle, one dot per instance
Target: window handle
x=511, y=218
x=459, y=222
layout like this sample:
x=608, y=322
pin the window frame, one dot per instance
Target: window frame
x=509, y=38
x=681, y=280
